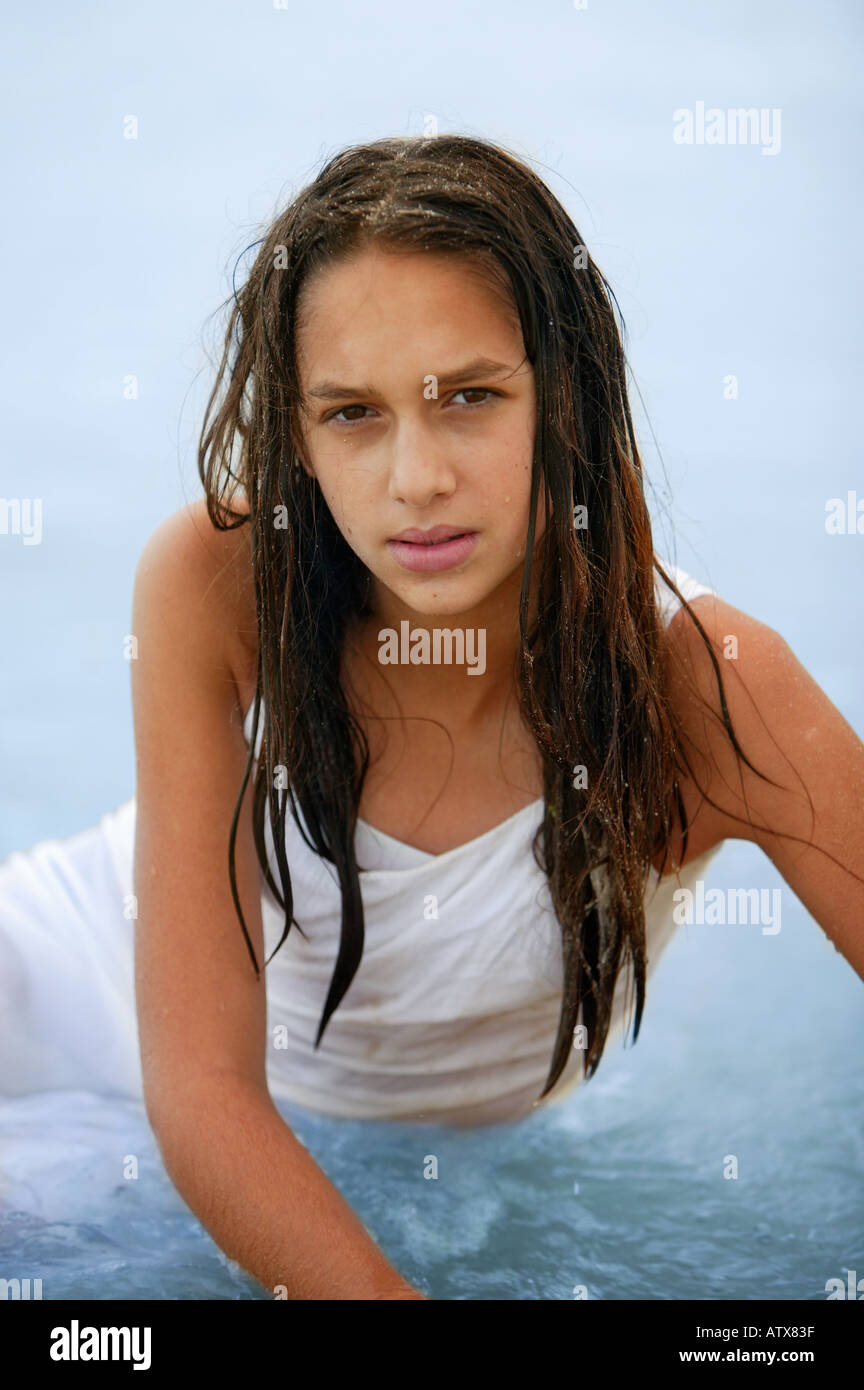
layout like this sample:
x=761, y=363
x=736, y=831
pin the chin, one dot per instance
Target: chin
x=440, y=597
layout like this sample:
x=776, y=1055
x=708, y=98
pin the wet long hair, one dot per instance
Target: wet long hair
x=590, y=673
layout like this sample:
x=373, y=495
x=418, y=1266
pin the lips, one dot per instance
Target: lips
x=434, y=536
x=425, y=552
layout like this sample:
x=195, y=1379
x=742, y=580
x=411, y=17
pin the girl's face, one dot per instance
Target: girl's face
x=407, y=429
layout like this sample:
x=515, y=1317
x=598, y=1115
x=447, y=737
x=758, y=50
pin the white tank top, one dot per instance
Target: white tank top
x=453, y=1012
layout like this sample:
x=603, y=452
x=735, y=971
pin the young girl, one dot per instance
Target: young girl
x=410, y=681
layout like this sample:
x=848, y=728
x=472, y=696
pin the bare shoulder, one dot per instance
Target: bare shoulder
x=727, y=656
x=200, y=578
x=734, y=637
x=736, y=666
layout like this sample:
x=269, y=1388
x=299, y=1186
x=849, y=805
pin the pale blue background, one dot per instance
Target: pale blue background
x=117, y=251
x=723, y=261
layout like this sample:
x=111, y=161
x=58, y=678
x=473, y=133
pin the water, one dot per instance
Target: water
x=620, y=1189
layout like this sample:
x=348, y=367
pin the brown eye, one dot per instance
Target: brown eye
x=356, y=421
x=475, y=391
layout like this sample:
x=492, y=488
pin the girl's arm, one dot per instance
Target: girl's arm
x=201, y=1012
x=790, y=730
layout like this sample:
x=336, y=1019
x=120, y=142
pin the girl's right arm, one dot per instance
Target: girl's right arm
x=201, y=1011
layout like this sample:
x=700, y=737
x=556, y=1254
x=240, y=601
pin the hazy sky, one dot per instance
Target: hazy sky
x=726, y=261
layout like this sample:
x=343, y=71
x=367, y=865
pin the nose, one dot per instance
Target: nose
x=420, y=467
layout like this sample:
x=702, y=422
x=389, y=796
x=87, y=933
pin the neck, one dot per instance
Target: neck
x=410, y=651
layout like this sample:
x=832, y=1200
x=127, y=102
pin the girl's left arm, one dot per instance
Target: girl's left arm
x=790, y=730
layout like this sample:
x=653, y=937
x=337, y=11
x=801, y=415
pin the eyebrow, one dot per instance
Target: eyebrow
x=481, y=366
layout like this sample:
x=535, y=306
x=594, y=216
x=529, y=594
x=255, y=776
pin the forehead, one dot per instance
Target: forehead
x=381, y=296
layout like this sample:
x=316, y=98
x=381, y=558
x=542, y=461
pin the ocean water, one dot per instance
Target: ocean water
x=623, y=1191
